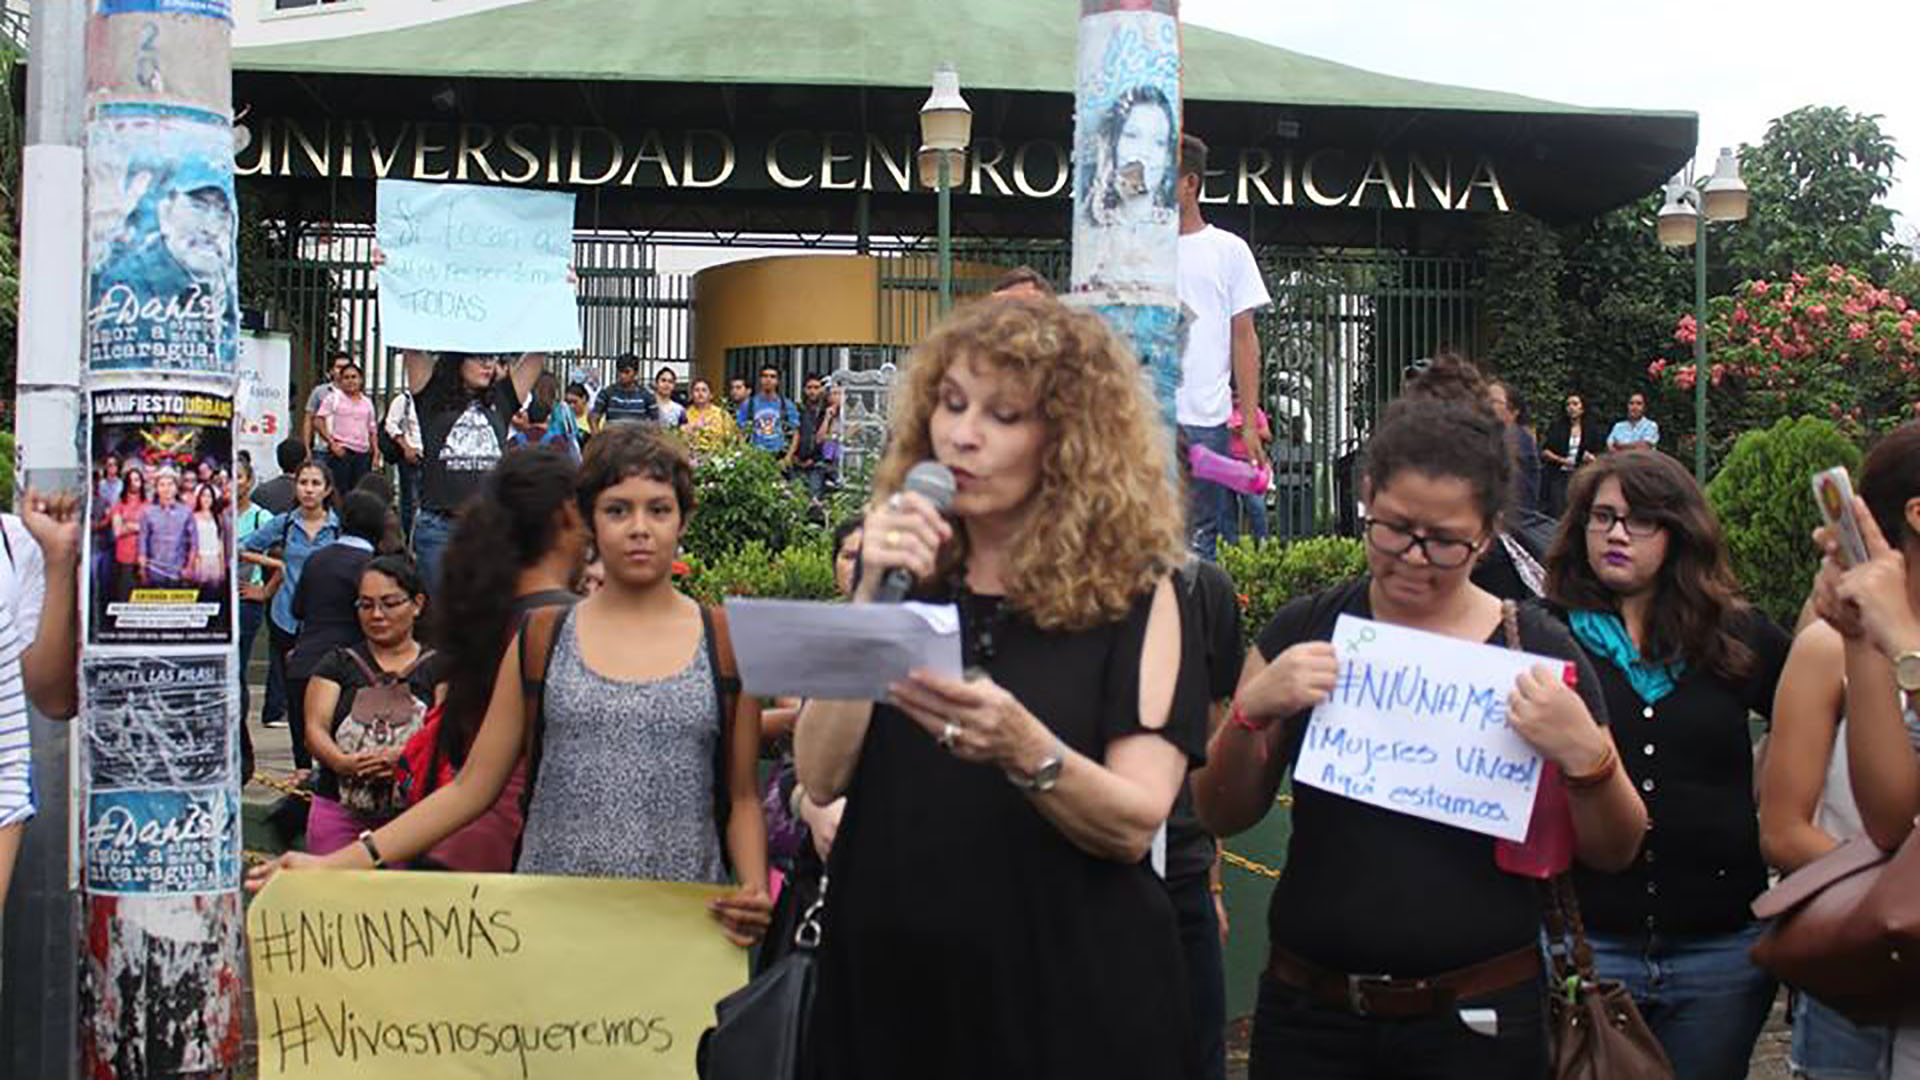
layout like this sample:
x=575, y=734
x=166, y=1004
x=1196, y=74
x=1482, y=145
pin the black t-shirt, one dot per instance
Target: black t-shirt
x=1370, y=891
x=323, y=602
x=464, y=434
x=275, y=496
x=339, y=668
x=1210, y=622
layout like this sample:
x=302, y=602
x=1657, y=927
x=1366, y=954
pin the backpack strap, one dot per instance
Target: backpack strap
x=726, y=692
x=366, y=669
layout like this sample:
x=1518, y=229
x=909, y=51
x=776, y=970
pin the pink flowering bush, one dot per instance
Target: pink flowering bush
x=1828, y=343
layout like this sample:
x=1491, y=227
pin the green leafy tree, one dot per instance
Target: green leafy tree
x=1819, y=180
x=1520, y=295
x=1764, y=500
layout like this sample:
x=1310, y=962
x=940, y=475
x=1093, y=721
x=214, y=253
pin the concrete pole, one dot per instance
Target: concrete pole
x=38, y=983
x=1126, y=168
x=161, y=949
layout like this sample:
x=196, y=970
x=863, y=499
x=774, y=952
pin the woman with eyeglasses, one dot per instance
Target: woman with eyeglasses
x=1388, y=932
x=353, y=790
x=1641, y=570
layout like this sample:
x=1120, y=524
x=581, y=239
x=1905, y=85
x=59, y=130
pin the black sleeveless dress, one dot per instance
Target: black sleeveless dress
x=966, y=936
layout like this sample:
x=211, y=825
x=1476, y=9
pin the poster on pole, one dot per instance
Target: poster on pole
x=163, y=291
x=469, y=268
x=161, y=545
x=1126, y=148
x=260, y=406
x=177, y=842
x=1417, y=724
x=159, y=722
x=378, y=975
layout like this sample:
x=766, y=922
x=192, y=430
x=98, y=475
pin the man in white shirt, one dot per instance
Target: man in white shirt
x=1637, y=431
x=402, y=425
x=1220, y=284
x=39, y=646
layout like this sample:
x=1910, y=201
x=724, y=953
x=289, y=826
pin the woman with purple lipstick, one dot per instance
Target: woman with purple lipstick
x=1641, y=569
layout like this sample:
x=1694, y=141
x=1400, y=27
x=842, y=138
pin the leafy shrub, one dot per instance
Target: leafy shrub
x=7, y=463
x=802, y=572
x=1268, y=573
x=743, y=499
x=1765, y=504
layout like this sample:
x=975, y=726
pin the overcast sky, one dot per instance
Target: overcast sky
x=1763, y=58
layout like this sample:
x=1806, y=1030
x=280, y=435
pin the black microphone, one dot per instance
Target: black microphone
x=931, y=481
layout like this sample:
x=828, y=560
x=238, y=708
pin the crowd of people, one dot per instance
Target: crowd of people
x=1024, y=862
x=1092, y=940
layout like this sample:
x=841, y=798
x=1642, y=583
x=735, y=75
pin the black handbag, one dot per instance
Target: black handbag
x=760, y=1031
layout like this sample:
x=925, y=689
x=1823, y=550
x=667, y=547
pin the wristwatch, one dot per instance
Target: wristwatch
x=1906, y=671
x=1044, y=776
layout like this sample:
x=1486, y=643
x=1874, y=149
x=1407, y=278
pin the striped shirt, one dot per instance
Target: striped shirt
x=23, y=586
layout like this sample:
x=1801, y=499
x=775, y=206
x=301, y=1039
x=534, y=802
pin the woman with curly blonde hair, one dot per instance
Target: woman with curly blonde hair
x=992, y=911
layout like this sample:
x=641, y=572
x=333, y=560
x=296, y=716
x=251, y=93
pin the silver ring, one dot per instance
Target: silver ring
x=947, y=735
x=895, y=501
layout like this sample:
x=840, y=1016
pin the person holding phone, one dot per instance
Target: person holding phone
x=1875, y=607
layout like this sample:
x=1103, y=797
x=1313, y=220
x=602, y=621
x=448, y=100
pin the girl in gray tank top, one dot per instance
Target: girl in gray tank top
x=626, y=773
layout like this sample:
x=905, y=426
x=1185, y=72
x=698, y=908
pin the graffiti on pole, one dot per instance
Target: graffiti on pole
x=206, y=9
x=161, y=225
x=162, y=542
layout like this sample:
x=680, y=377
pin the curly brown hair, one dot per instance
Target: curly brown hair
x=1698, y=607
x=1109, y=520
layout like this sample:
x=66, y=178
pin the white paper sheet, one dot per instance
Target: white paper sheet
x=1417, y=723
x=798, y=648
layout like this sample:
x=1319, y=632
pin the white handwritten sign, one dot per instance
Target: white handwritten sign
x=476, y=269
x=1417, y=723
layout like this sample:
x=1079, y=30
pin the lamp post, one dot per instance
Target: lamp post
x=946, y=127
x=1683, y=221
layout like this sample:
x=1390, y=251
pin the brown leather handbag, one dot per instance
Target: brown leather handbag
x=1598, y=1032
x=1846, y=929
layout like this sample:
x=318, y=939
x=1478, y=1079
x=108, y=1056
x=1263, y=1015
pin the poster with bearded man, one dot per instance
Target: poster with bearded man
x=161, y=221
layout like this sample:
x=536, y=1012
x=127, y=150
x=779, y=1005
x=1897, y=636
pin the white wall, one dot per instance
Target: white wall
x=256, y=22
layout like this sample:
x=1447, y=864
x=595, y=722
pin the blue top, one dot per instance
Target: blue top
x=1643, y=430
x=767, y=420
x=296, y=546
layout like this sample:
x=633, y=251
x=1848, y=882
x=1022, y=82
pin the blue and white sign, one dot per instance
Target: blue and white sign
x=1417, y=723
x=469, y=268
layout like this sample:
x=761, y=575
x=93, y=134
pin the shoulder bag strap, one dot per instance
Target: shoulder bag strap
x=726, y=692
x=1567, y=948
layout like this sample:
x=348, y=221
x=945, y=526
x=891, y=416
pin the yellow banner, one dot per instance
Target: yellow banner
x=365, y=976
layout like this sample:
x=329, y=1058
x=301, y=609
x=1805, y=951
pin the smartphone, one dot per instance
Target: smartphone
x=1833, y=493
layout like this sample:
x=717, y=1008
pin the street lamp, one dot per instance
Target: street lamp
x=946, y=127
x=1683, y=221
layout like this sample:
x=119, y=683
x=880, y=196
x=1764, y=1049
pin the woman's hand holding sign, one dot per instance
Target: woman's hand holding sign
x=1300, y=678
x=1544, y=710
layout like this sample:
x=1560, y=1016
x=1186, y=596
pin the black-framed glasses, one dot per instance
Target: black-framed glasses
x=1602, y=519
x=385, y=603
x=1444, y=552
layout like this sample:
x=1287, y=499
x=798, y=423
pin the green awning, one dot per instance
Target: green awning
x=1015, y=45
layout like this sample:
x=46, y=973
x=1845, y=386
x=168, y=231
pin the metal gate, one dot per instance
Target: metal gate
x=1335, y=346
